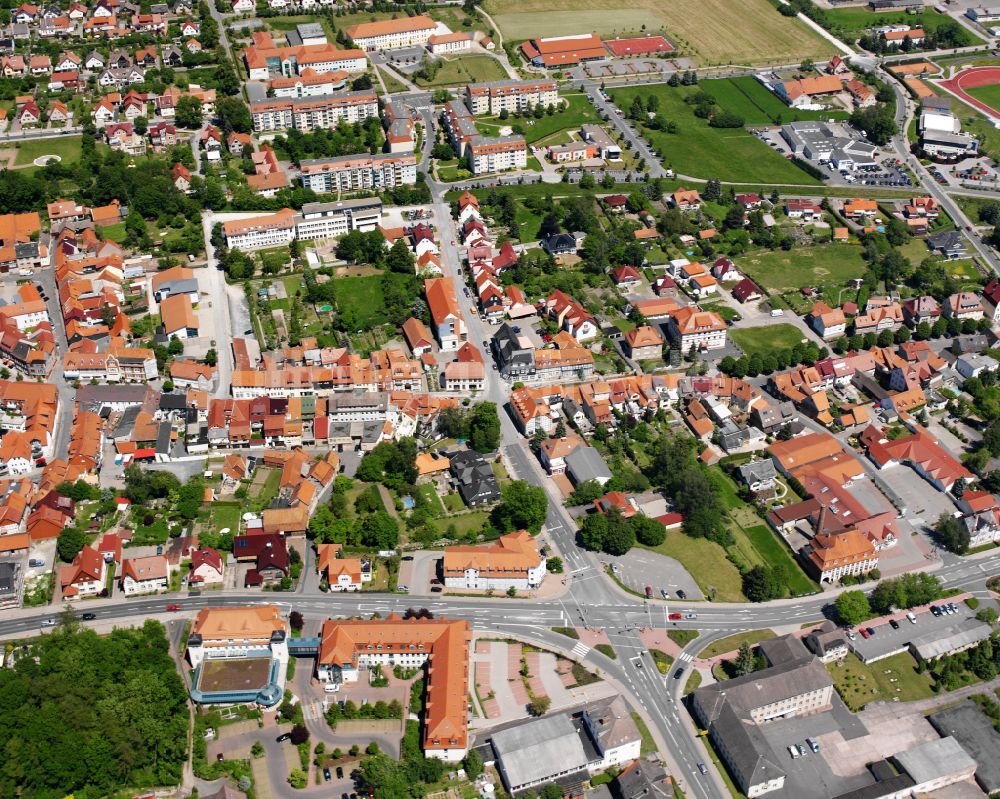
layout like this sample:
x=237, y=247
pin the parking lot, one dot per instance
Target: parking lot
x=919, y=497
x=639, y=568
x=888, y=641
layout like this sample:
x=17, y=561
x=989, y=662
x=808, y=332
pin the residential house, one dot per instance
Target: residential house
x=145, y=575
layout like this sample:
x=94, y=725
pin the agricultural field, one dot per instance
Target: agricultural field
x=730, y=154
x=747, y=97
x=739, y=32
x=469, y=69
x=851, y=23
x=828, y=264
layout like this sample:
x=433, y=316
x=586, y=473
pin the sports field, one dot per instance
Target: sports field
x=731, y=154
x=66, y=147
x=987, y=94
x=718, y=32
x=979, y=87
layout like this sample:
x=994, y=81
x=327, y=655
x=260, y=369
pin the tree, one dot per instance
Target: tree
x=379, y=531
x=952, y=534
x=764, y=583
x=744, y=663
x=188, y=112
x=648, y=531
x=906, y=591
x=852, y=608
x=554, y=565
x=234, y=115
x=400, y=258
x=69, y=543
x=484, y=427
x=878, y=123
x=297, y=778
x=586, y=493
x=539, y=705
x=299, y=734
x=522, y=507
x=552, y=791
x=607, y=532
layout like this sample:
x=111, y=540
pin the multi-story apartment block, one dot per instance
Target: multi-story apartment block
x=510, y=95
x=311, y=113
x=392, y=33
x=359, y=172
x=697, y=329
x=497, y=153
x=459, y=125
x=331, y=220
x=309, y=84
x=269, y=230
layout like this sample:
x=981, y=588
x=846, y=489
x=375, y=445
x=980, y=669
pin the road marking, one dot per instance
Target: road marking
x=580, y=650
x=685, y=657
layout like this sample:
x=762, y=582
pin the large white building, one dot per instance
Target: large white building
x=510, y=95
x=238, y=632
x=335, y=219
x=358, y=172
x=392, y=33
x=268, y=230
x=311, y=113
x=513, y=561
x=497, y=154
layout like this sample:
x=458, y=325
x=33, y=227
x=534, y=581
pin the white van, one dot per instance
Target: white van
x=331, y=688
x=912, y=619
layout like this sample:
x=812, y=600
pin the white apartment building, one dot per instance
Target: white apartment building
x=332, y=220
x=355, y=172
x=510, y=95
x=449, y=43
x=269, y=230
x=512, y=561
x=311, y=113
x=496, y=154
x=392, y=33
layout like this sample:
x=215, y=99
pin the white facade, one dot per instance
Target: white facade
x=359, y=172
x=131, y=587
x=492, y=155
x=311, y=113
x=492, y=98
x=474, y=580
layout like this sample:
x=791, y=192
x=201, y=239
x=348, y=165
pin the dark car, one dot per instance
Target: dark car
x=435, y=589
x=283, y=737
x=340, y=773
x=220, y=757
x=681, y=593
x=871, y=631
x=326, y=774
x=88, y=616
x=679, y=673
x=407, y=557
x=894, y=624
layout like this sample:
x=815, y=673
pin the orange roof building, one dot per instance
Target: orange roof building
x=834, y=556
x=347, y=647
x=564, y=51
x=512, y=560
x=226, y=632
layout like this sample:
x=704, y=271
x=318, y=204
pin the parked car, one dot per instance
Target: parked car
x=326, y=774
x=681, y=593
x=812, y=744
x=664, y=593
x=649, y=592
x=935, y=610
x=340, y=772
x=864, y=632
x=285, y=736
x=794, y=752
x=871, y=631
x=911, y=618
x=894, y=624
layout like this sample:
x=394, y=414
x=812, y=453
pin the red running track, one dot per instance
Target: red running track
x=972, y=78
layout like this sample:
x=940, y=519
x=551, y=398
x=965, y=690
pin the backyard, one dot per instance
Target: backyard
x=66, y=147
x=364, y=296
x=731, y=154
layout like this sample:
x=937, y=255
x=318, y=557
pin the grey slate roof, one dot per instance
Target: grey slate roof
x=586, y=463
x=758, y=471
x=977, y=735
x=934, y=759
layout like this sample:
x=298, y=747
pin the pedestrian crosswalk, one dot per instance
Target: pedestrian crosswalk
x=581, y=649
x=685, y=657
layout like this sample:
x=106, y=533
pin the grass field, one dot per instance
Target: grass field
x=859, y=684
x=226, y=514
x=470, y=69
x=831, y=264
x=731, y=154
x=578, y=112
x=851, y=23
x=115, y=232
x=733, y=642
x=721, y=32
x=464, y=523
x=66, y=147
x=758, y=106
x=364, y=296
x=987, y=94
x=392, y=83
x=768, y=339
x=706, y=562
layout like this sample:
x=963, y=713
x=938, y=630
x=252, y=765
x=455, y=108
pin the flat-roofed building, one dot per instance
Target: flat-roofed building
x=313, y=113
x=268, y=230
x=510, y=95
x=497, y=154
x=358, y=172
x=335, y=219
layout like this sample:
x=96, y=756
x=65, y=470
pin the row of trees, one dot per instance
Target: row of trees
x=611, y=532
x=898, y=593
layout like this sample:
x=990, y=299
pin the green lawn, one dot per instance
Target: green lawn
x=431, y=497
x=648, y=745
x=578, y=112
x=705, y=561
x=859, y=684
x=767, y=339
x=987, y=94
x=733, y=642
x=66, y=147
x=468, y=69
x=115, y=232
x=747, y=97
x=363, y=294
x=226, y=514
x=774, y=552
x=730, y=154
x=662, y=659
x=268, y=491
x=392, y=83
x=528, y=224
x=851, y=23
x=682, y=637
x=464, y=523
x=830, y=264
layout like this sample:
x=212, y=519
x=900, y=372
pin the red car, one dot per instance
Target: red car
x=675, y=617
x=864, y=632
x=173, y=606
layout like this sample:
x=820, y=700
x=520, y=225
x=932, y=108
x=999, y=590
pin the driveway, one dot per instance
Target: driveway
x=417, y=573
